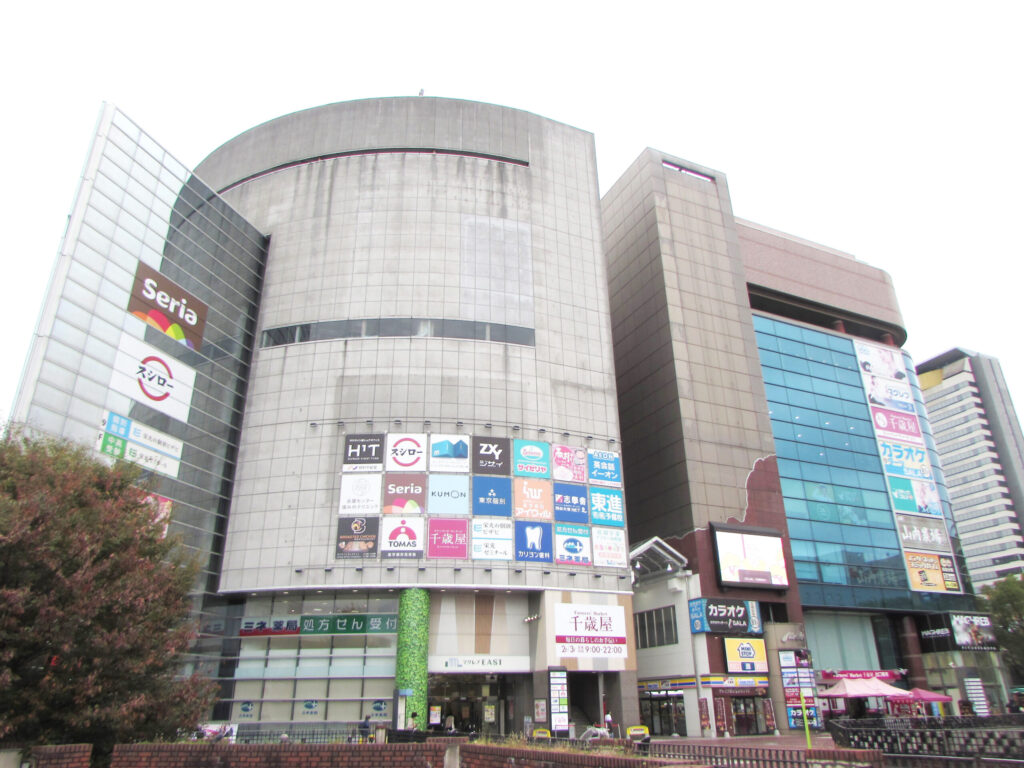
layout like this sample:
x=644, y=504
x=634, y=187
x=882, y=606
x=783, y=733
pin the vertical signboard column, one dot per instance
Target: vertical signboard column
x=558, y=694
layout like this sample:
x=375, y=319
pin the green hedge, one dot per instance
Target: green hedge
x=413, y=640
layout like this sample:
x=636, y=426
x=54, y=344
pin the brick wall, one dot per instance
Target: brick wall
x=280, y=755
x=487, y=756
x=63, y=756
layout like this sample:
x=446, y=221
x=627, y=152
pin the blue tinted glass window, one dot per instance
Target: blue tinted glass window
x=792, y=488
x=773, y=359
x=815, y=472
x=882, y=538
x=823, y=387
x=797, y=381
x=776, y=394
x=795, y=364
x=796, y=508
x=819, y=510
x=803, y=550
x=827, y=532
x=810, y=453
x=789, y=468
x=785, y=449
x=806, y=572
x=833, y=574
x=800, y=529
x=848, y=378
x=841, y=344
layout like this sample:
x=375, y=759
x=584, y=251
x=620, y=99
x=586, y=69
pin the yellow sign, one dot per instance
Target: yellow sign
x=745, y=654
x=541, y=733
x=637, y=731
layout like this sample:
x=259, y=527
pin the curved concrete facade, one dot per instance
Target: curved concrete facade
x=398, y=208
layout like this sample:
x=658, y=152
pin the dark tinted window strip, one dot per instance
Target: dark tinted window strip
x=381, y=151
x=425, y=327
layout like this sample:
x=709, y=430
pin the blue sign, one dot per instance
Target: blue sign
x=604, y=468
x=533, y=541
x=492, y=496
x=571, y=503
x=531, y=458
x=724, y=615
x=607, y=507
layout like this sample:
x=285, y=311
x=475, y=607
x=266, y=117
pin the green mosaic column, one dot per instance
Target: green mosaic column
x=413, y=639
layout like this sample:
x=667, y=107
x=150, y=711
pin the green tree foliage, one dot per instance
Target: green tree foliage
x=1005, y=601
x=94, y=603
x=411, y=654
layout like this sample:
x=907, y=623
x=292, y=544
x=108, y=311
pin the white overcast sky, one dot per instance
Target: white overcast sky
x=892, y=131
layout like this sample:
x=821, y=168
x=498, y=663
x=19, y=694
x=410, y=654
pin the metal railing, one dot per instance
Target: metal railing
x=731, y=757
x=999, y=737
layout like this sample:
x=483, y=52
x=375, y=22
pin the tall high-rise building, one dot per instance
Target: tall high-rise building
x=981, y=447
x=375, y=356
x=774, y=440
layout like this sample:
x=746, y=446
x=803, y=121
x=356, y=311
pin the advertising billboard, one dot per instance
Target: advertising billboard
x=750, y=558
x=604, y=468
x=572, y=544
x=532, y=499
x=401, y=537
x=406, y=452
x=152, y=377
x=607, y=507
x=533, y=541
x=745, y=654
x=363, y=453
x=568, y=464
x=590, y=631
x=404, y=493
x=357, y=537
x=609, y=545
x=124, y=438
x=931, y=573
x=448, y=495
x=492, y=496
x=448, y=538
x=492, y=456
x=493, y=538
x=531, y=458
x=162, y=304
x=360, y=494
x=449, y=453
x=571, y=503
x=721, y=615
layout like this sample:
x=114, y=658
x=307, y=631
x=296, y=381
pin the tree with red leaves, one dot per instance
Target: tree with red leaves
x=94, y=603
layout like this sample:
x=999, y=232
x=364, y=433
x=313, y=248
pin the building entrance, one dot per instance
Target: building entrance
x=748, y=715
x=663, y=713
x=468, y=703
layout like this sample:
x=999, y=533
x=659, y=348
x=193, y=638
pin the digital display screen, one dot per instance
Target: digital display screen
x=750, y=559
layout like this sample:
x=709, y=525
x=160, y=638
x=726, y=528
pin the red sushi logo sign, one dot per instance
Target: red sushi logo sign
x=152, y=377
x=166, y=306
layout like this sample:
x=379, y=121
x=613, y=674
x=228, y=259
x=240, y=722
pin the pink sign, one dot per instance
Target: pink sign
x=896, y=425
x=860, y=674
x=568, y=464
x=448, y=538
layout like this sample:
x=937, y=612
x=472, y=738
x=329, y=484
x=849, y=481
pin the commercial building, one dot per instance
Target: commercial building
x=981, y=447
x=368, y=360
x=781, y=476
x=366, y=352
